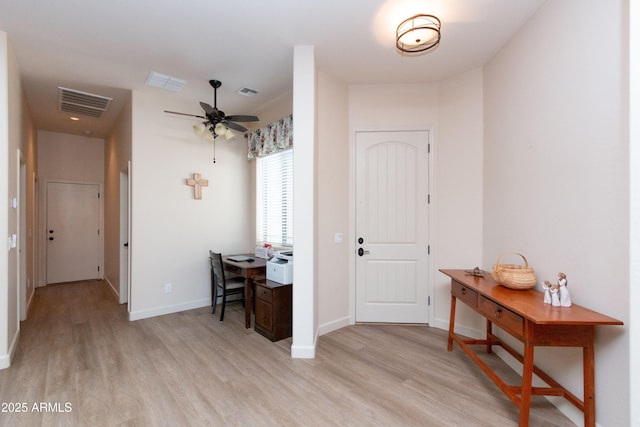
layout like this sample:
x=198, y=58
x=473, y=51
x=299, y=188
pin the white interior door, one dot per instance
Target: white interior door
x=124, y=238
x=73, y=232
x=392, y=226
x=25, y=287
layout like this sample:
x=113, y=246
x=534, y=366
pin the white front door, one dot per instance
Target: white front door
x=73, y=232
x=392, y=226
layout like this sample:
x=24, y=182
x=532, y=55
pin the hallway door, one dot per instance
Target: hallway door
x=73, y=232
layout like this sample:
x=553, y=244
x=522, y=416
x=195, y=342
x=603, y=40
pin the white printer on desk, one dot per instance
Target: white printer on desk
x=280, y=267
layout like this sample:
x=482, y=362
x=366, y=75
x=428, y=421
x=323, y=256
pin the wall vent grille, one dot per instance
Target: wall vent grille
x=82, y=103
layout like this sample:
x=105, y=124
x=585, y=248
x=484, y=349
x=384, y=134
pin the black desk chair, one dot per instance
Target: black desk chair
x=219, y=281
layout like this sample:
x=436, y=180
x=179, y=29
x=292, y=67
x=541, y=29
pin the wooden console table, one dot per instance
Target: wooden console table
x=525, y=316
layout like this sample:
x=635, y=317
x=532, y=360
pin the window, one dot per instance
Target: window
x=274, y=189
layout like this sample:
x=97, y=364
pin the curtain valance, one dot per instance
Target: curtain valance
x=272, y=138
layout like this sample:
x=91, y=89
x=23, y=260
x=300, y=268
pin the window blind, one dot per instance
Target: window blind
x=274, y=189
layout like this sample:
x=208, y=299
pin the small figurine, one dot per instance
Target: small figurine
x=555, y=297
x=547, y=291
x=565, y=298
x=557, y=294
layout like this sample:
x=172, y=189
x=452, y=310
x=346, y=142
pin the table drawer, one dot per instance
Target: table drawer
x=460, y=291
x=264, y=293
x=264, y=314
x=233, y=268
x=501, y=317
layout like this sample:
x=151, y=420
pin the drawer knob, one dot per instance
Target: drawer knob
x=463, y=291
x=497, y=313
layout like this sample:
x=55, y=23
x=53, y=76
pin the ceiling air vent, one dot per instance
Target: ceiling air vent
x=246, y=91
x=165, y=82
x=82, y=103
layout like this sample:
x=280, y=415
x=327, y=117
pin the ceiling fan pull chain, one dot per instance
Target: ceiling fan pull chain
x=214, y=150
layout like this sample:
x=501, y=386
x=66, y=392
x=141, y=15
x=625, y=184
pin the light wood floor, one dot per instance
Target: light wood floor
x=80, y=355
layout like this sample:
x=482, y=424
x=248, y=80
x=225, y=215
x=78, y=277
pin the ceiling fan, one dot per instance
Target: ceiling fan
x=217, y=123
x=214, y=116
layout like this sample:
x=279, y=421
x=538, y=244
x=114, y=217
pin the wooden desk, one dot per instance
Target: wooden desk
x=524, y=315
x=248, y=270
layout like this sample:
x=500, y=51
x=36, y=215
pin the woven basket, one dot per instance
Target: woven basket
x=513, y=276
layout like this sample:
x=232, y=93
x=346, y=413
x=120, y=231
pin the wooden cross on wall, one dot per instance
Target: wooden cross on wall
x=197, y=183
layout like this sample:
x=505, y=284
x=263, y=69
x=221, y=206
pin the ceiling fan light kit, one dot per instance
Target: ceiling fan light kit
x=418, y=34
x=222, y=130
x=202, y=130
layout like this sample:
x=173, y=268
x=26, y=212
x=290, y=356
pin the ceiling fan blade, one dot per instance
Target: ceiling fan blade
x=207, y=108
x=234, y=126
x=241, y=118
x=184, y=114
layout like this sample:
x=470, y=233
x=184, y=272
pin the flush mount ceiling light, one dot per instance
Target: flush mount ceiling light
x=418, y=34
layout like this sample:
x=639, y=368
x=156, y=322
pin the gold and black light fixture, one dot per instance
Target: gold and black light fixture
x=418, y=34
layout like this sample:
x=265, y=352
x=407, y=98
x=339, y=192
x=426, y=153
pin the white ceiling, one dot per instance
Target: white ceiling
x=109, y=47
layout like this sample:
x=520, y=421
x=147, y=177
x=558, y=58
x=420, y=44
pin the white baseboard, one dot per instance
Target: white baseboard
x=304, y=351
x=5, y=359
x=334, y=325
x=168, y=309
x=115, y=291
x=439, y=324
x=30, y=300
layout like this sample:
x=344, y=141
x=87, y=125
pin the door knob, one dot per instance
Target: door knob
x=50, y=238
x=362, y=252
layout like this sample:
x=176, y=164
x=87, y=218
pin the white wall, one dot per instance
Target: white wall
x=634, y=194
x=457, y=198
x=17, y=136
x=556, y=176
x=67, y=157
x=11, y=113
x=305, y=291
x=172, y=232
x=7, y=328
x=116, y=156
x=333, y=204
